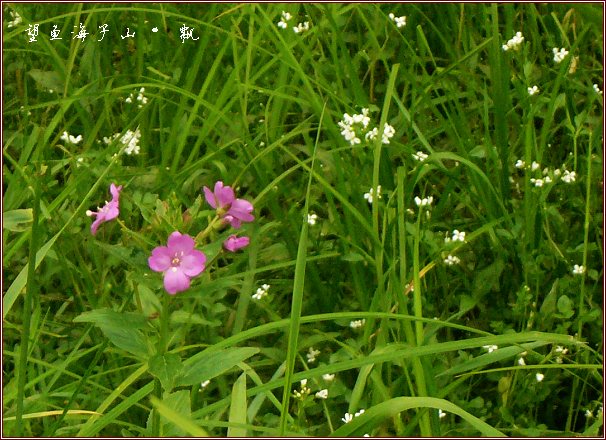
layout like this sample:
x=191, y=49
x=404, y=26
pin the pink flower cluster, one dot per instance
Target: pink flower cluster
x=179, y=260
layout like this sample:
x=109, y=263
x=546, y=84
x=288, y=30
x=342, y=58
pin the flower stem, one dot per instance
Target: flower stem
x=202, y=235
x=161, y=349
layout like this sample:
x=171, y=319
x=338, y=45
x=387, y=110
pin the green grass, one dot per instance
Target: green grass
x=93, y=345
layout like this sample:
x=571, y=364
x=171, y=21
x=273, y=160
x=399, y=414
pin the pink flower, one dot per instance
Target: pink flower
x=179, y=261
x=233, y=243
x=109, y=212
x=234, y=211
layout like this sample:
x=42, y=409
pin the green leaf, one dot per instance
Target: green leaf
x=565, y=306
x=122, y=329
x=17, y=220
x=185, y=423
x=204, y=366
x=166, y=368
x=237, y=410
x=180, y=402
x=47, y=79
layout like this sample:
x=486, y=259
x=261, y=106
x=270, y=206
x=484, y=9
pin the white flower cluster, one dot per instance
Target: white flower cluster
x=426, y=201
x=490, y=348
x=456, y=236
x=283, y=23
x=358, y=323
x=311, y=355
x=420, y=156
x=322, y=394
x=312, y=218
x=140, y=97
x=328, y=377
x=559, y=55
x=66, y=137
x=304, y=390
x=301, y=27
x=370, y=195
x=130, y=140
x=16, y=19
x=578, y=270
x=261, y=292
x=533, y=90
x=597, y=89
x=451, y=260
x=548, y=175
x=515, y=42
x=349, y=417
x=400, y=21
x=352, y=127
x=569, y=176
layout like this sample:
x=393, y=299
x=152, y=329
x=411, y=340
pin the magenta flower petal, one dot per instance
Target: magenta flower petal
x=115, y=191
x=240, y=211
x=160, y=259
x=224, y=194
x=179, y=261
x=233, y=243
x=180, y=243
x=193, y=264
x=175, y=280
x=210, y=197
x=110, y=211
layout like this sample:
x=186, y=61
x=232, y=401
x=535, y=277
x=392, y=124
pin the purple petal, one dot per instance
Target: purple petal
x=210, y=197
x=180, y=243
x=224, y=194
x=234, y=222
x=241, y=209
x=111, y=210
x=100, y=219
x=234, y=243
x=175, y=280
x=193, y=263
x=160, y=260
x=115, y=191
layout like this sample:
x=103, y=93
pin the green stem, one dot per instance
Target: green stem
x=161, y=349
x=27, y=309
x=202, y=235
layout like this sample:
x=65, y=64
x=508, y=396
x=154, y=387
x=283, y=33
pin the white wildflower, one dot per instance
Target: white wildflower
x=311, y=355
x=388, y=133
x=588, y=414
x=328, y=377
x=371, y=194
x=569, y=176
x=426, y=201
x=322, y=394
x=283, y=23
x=301, y=27
x=537, y=182
x=559, y=55
x=540, y=377
x=521, y=362
x=533, y=90
x=399, y=21
x=451, y=260
x=312, y=218
x=420, y=156
x=578, y=270
x=205, y=383
x=597, y=89
x=514, y=43
x=66, y=137
x=561, y=350
x=441, y=414
x=490, y=348
x=261, y=292
x=359, y=413
x=535, y=166
x=347, y=417
x=458, y=235
x=357, y=323
x=16, y=19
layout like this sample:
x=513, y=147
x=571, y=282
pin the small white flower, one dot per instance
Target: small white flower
x=301, y=27
x=451, y=260
x=426, y=201
x=420, y=156
x=561, y=350
x=578, y=270
x=521, y=361
x=322, y=394
x=388, y=133
x=533, y=90
x=328, y=377
x=347, y=417
x=303, y=383
x=569, y=176
x=400, y=21
x=490, y=348
x=283, y=23
x=441, y=414
x=16, y=19
x=537, y=182
x=514, y=43
x=458, y=236
x=311, y=355
x=131, y=141
x=359, y=413
x=588, y=414
x=357, y=323
x=597, y=89
x=312, y=218
x=204, y=384
x=372, y=134
x=540, y=377
x=557, y=172
x=261, y=292
x=535, y=166
x=559, y=55
x=71, y=139
x=370, y=195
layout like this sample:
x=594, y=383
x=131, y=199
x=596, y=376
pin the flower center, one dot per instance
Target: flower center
x=176, y=260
